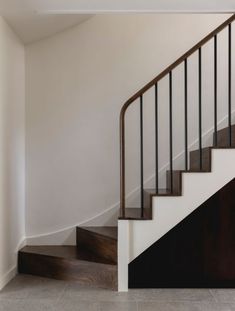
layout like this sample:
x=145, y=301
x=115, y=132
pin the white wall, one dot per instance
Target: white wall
x=76, y=83
x=12, y=154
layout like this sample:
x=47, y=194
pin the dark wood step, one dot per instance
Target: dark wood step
x=222, y=142
x=176, y=186
x=101, y=241
x=223, y=137
x=67, y=263
x=194, y=157
x=134, y=213
x=206, y=158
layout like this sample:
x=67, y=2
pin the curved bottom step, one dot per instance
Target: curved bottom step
x=67, y=263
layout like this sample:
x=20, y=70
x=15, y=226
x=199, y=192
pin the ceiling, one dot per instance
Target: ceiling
x=34, y=27
x=33, y=20
x=94, y=6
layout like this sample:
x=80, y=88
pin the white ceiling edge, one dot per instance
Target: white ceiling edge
x=34, y=27
x=120, y=6
x=34, y=20
x=117, y=11
x=95, y=12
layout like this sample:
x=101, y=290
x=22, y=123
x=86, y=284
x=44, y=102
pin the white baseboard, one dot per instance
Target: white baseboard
x=8, y=277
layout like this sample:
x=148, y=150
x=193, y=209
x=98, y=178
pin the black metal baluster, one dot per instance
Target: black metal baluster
x=229, y=86
x=186, y=111
x=200, y=105
x=141, y=158
x=215, y=90
x=156, y=138
x=170, y=131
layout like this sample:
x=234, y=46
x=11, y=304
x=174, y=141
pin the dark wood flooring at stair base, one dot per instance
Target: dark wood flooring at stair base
x=101, y=241
x=198, y=252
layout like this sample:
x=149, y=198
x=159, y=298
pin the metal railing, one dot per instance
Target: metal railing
x=154, y=83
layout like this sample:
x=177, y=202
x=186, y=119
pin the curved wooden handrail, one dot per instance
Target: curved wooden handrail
x=176, y=63
x=146, y=88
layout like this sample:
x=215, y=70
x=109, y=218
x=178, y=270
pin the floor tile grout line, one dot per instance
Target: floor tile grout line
x=213, y=295
x=61, y=294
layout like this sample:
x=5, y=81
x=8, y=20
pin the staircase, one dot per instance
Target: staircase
x=165, y=214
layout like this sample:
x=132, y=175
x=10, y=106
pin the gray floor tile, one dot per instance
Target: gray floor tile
x=18, y=288
x=183, y=306
x=27, y=305
x=172, y=295
x=25, y=286
x=167, y=306
x=213, y=306
x=45, y=288
x=118, y=306
x=80, y=292
x=28, y=293
x=75, y=305
x=224, y=295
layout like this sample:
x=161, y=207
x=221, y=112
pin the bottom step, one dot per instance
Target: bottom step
x=67, y=263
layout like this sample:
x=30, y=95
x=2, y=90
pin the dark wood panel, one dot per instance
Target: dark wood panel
x=223, y=137
x=195, y=159
x=176, y=182
x=104, y=231
x=198, y=252
x=101, y=241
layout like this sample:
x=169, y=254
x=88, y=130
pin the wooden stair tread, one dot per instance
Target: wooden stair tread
x=189, y=171
x=71, y=253
x=134, y=213
x=204, y=149
x=206, y=158
x=105, y=231
x=161, y=192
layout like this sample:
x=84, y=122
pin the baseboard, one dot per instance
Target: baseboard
x=8, y=277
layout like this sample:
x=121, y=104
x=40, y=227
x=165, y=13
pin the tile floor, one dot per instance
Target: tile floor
x=28, y=293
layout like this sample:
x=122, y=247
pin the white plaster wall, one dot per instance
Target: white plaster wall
x=12, y=150
x=76, y=83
